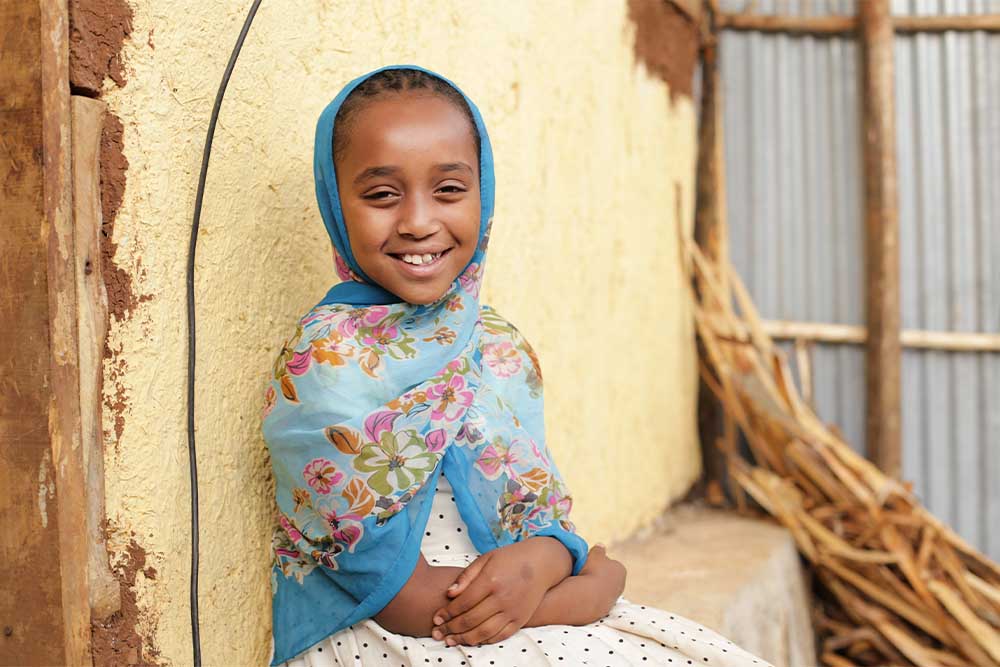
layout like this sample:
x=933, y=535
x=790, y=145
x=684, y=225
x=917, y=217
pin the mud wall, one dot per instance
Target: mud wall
x=595, y=149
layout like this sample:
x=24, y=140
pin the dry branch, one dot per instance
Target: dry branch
x=895, y=586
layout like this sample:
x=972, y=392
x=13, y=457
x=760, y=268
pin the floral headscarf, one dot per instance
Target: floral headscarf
x=370, y=400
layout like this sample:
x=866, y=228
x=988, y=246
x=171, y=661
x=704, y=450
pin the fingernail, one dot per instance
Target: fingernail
x=436, y=634
x=453, y=586
x=449, y=641
x=438, y=620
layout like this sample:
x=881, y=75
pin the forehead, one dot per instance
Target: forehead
x=409, y=124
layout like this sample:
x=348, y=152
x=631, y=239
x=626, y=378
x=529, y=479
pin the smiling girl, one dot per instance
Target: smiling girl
x=421, y=517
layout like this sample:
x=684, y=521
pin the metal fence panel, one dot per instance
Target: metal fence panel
x=792, y=119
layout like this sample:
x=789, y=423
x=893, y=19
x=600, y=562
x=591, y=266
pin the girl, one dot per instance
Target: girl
x=421, y=517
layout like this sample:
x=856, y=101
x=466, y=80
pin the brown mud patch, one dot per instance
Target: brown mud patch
x=667, y=40
x=115, y=641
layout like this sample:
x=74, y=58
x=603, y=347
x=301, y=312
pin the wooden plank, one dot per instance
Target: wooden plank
x=849, y=334
x=883, y=354
x=92, y=302
x=794, y=25
x=44, y=607
x=832, y=26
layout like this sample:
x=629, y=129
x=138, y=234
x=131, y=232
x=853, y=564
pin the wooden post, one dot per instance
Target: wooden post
x=44, y=606
x=883, y=350
x=92, y=300
x=715, y=427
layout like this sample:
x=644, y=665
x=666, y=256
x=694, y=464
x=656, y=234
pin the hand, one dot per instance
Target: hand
x=498, y=592
x=599, y=564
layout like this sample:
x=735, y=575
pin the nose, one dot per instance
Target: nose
x=417, y=216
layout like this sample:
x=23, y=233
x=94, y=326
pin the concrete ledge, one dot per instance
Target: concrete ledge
x=741, y=577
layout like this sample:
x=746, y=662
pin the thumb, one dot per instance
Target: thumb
x=467, y=576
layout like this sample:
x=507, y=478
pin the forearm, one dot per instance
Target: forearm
x=411, y=611
x=579, y=600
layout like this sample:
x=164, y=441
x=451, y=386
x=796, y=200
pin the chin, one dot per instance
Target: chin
x=423, y=298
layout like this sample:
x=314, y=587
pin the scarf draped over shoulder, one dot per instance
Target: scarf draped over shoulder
x=370, y=400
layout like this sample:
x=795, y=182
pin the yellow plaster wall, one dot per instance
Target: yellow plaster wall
x=591, y=157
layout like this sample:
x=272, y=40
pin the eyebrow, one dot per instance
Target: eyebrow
x=389, y=170
x=372, y=172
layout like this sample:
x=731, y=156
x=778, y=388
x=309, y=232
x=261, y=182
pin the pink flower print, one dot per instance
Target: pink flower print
x=539, y=454
x=321, y=475
x=452, y=397
x=560, y=503
x=292, y=531
x=436, y=440
x=496, y=459
x=470, y=279
x=344, y=272
x=270, y=398
x=502, y=359
x=378, y=422
x=345, y=525
x=362, y=317
x=299, y=363
x=380, y=336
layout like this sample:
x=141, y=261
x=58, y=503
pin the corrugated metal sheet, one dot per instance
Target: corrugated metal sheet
x=792, y=123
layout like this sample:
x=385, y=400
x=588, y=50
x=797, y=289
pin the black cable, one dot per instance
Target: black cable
x=192, y=248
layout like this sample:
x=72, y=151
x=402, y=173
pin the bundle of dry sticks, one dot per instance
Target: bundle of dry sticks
x=894, y=585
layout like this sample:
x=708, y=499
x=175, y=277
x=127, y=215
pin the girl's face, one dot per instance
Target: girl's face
x=408, y=180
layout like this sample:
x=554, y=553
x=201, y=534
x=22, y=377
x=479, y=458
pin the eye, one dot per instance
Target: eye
x=379, y=195
x=451, y=189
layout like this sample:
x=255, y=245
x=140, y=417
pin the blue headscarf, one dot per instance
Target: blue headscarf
x=371, y=400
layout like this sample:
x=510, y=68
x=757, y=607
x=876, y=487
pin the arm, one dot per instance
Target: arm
x=569, y=600
x=542, y=561
x=584, y=598
x=410, y=612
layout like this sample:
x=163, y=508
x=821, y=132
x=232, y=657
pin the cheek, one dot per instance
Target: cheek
x=468, y=226
x=364, y=229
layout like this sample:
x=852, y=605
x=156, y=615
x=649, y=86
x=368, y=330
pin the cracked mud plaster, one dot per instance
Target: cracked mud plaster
x=115, y=640
x=97, y=31
x=666, y=42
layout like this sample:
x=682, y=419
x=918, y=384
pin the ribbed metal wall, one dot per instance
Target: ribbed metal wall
x=793, y=154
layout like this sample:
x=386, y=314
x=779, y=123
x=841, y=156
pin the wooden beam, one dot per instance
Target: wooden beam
x=92, y=301
x=794, y=25
x=849, y=25
x=44, y=606
x=882, y=348
x=849, y=334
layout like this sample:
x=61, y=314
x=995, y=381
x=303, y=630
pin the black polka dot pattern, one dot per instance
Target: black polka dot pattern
x=630, y=634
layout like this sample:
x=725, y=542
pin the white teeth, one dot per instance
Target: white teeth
x=420, y=259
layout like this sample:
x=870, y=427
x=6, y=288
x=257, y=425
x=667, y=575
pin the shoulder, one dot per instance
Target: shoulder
x=501, y=339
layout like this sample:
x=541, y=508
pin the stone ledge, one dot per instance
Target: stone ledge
x=741, y=577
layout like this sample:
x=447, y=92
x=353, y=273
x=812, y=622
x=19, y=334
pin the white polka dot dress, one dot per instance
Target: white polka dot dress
x=630, y=634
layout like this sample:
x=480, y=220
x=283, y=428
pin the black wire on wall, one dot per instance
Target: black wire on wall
x=192, y=249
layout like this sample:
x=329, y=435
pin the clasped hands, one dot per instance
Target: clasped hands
x=526, y=583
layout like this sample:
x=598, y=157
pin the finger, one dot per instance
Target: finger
x=470, y=619
x=477, y=591
x=468, y=575
x=505, y=633
x=480, y=633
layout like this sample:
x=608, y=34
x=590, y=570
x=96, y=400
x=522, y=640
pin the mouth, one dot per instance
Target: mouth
x=419, y=264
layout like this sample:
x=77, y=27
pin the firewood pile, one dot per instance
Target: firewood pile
x=894, y=586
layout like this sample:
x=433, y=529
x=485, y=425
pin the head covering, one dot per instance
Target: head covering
x=371, y=400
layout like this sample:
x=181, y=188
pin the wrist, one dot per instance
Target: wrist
x=556, y=559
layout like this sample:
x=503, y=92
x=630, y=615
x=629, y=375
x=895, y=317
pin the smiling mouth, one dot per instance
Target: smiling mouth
x=419, y=264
